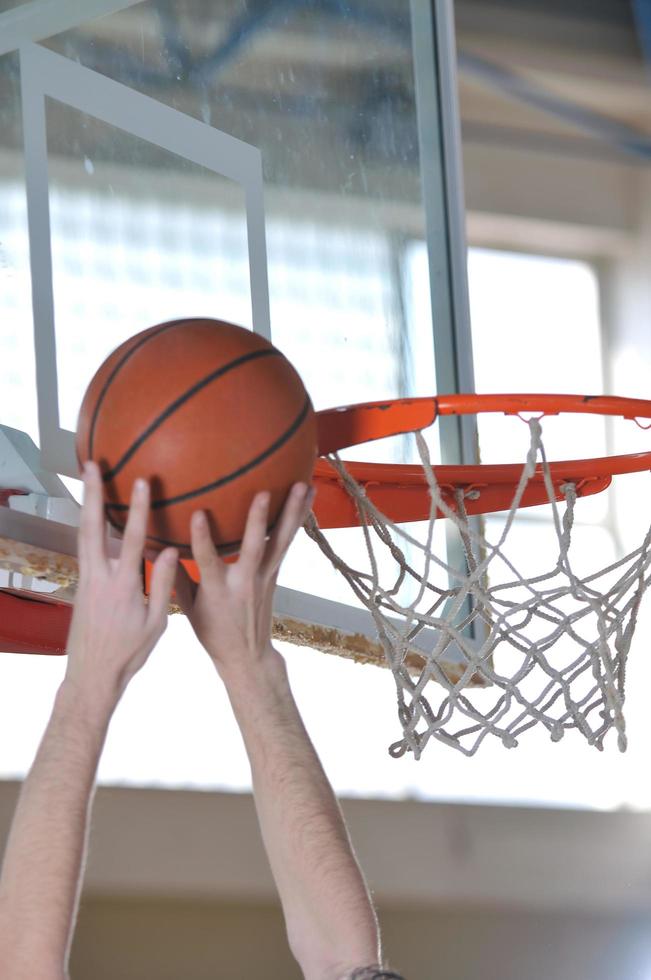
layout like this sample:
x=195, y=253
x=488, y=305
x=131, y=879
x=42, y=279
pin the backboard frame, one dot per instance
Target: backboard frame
x=45, y=73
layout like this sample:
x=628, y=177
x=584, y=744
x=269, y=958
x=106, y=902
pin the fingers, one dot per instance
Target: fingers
x=133, y=539
x=255, y=534
x=160, y=590
x=293, y=516
x=203, y=549
x=92, y=526
x=255, y=550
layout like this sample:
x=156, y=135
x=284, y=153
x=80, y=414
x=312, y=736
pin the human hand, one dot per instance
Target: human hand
x=113, y=629
x=231, y=609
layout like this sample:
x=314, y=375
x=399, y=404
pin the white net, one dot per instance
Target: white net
x=548, y=649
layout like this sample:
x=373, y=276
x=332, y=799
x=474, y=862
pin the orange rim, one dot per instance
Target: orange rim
x=352, y=425
x=400, y=490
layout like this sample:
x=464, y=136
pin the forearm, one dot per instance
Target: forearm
x=41, y=874
x=330, y=919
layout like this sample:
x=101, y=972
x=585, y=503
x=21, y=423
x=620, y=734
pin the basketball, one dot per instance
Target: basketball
x=211, y=414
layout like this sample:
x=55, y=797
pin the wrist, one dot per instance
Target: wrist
x=92, y=704
x=249, y=683
x=243, y=669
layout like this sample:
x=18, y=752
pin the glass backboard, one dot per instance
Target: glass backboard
x=273, y=166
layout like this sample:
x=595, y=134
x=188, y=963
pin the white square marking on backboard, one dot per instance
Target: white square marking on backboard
x=45, y=18
x=44, y=73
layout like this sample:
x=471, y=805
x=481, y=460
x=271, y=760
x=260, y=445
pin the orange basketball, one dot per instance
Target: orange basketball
x=210, y=414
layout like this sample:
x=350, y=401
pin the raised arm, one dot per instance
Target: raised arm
x=111, y=636
x=330, y=920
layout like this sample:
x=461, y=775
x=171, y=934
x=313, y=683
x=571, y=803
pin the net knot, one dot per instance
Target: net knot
x=509, y=741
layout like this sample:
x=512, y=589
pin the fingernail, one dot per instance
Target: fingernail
x=311, y=494
x=141, y=486
x=199, y=518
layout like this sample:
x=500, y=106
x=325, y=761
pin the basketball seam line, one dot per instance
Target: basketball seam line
x=175, y=405
x=269, y=451
x=109, y=381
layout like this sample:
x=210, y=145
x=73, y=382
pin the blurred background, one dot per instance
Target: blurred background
x=530, y=863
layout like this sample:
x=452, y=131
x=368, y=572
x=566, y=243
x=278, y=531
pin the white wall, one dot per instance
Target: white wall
x=202, y=845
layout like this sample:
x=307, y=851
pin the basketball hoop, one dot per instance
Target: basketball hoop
x=548, y=649
x=554, y=645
